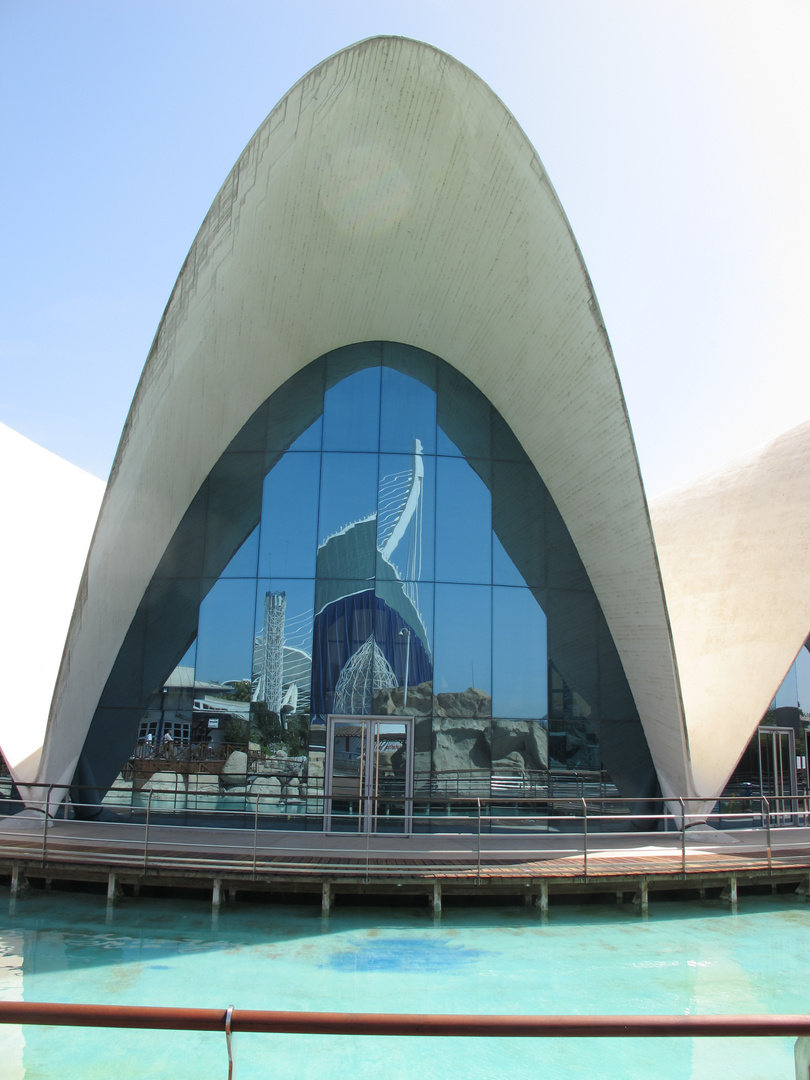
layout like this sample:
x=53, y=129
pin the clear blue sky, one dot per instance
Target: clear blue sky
x=675, y=134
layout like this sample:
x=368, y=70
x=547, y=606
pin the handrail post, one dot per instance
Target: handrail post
x=683, y=837
x=371, y=817
x=255, y=833
x=768, y=827
x=230, y=1042
x=146, y=831
x=45, y=824
x=585, y=836
x=478, y=800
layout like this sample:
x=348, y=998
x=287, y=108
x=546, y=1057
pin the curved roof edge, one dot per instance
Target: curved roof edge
x=735, y=558
x=388, y=196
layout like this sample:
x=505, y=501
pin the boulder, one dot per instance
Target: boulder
x=461, y=745
x=520, y=744
x=164, y=783
x=466, y=704
x=235, y=769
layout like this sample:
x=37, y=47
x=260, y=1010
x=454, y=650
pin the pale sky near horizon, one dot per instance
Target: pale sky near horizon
x=674, y=132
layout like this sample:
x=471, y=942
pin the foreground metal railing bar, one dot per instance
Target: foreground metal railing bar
x=232, y=1021
x=260, y=1021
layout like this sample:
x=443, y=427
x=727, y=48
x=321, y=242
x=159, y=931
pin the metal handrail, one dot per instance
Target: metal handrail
x=409, y=1024
x=235, y=854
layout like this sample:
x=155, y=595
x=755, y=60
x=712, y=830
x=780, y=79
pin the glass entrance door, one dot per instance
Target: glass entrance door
x=369, y=774
x=777, y=772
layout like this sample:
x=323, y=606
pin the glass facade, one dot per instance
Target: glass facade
x=374, y=542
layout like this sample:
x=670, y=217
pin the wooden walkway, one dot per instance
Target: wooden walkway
x=226, y=861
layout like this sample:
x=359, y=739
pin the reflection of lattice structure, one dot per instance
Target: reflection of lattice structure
x=365, y=672
x=268, y=653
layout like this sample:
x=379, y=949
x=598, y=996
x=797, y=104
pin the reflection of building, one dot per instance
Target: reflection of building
x=507, y=577
x=268, y=653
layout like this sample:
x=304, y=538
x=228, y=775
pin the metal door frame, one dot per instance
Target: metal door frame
x=367, y=815
x=779, y=813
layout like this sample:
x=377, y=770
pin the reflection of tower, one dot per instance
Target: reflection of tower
x=268, y=653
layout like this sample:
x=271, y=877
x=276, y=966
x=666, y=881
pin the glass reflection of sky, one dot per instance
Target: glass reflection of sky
x=795, y=688
x=225, y=635
x=290, y=517
x=463, y=523
x=351, y=414
x=463, y=642
x=348, y=491
x=408, y=413
x=519, y=678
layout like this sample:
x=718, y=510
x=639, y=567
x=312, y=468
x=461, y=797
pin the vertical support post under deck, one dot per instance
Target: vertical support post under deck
x=326, y=898
x=436, y=902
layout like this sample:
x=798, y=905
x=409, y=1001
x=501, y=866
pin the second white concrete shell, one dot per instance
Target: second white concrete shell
x=734, y=549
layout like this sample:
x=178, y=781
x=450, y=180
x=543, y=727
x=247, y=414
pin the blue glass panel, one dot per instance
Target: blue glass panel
x=347, y=527
x=289, y=517
x=408, y=413
x=462, y=670
x=463, y=522
x=225, y=634
x=351, y=417
x=519, y=655
x=406, y=515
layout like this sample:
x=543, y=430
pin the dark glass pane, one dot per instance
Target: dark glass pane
x=351, y=417
x=463, y=650
x=406, y=515
x=464, y=417
x=564, y=567
x=408, y=413
x=289, y=517
x=225, y=636
x=463, y=522
x=518, y=502
x=519, y=657
x=347, y=528
x=572, y=650
x=183, y=557
x=505, y=446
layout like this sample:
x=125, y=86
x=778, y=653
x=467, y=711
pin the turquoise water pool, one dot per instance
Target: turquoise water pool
x=683, y=958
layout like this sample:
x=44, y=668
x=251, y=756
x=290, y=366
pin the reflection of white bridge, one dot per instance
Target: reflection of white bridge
x=401, y=498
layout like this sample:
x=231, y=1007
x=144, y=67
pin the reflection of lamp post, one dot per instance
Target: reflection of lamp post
x=405, y=631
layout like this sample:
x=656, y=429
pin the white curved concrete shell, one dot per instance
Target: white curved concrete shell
x=388, y=196
x=734, y=549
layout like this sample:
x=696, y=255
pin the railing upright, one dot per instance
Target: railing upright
x=683, y=837
x=585, y=837
x=255, y=833
x=146, y=831
x=45, y=824
x=478, y=881
x=768, y=828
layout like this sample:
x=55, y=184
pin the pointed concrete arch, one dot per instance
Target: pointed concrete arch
x=735, y=557
x=389, y=196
